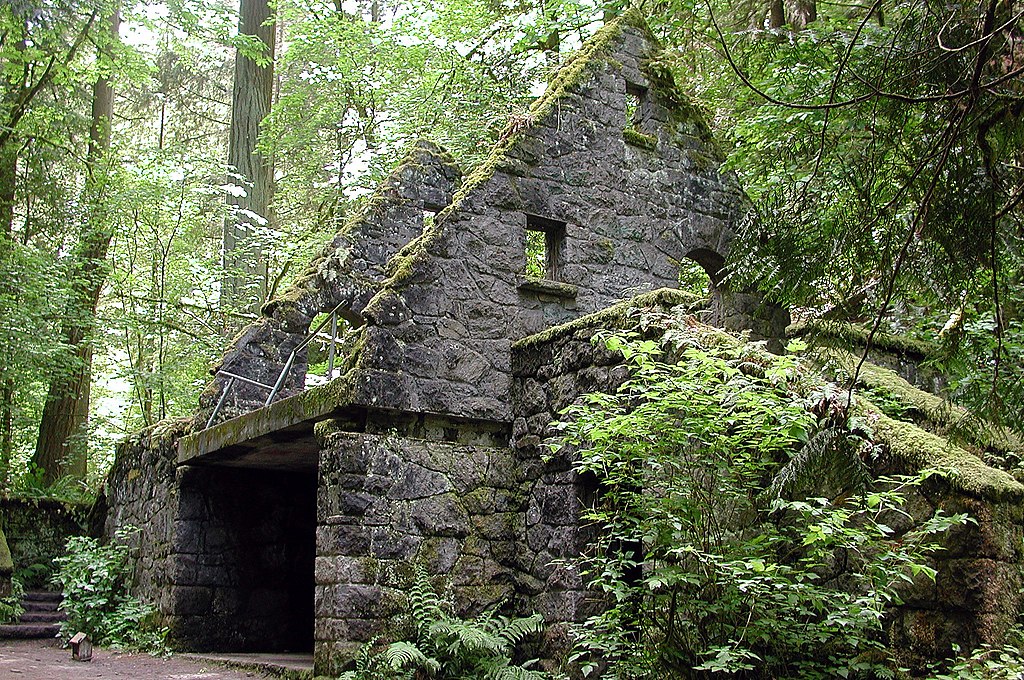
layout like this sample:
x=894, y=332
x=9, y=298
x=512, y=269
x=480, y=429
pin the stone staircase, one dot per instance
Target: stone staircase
x=40, y=620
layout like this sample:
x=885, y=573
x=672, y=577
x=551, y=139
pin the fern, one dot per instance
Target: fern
x=515, y=631
x=831, y=455
x=404, y=655
x=447, y=647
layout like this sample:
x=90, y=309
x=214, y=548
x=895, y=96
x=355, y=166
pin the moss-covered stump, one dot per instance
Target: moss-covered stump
x=6, y=566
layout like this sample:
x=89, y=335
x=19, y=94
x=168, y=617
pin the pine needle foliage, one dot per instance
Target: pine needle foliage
x=446, y=647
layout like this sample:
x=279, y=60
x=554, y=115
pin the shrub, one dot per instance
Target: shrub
x=712, y=551
x=443, y=646
x=94, y=579
x=10, y=606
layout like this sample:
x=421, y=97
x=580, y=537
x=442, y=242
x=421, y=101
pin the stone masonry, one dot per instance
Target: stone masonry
x=294, y=526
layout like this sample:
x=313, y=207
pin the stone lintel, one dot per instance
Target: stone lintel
x=286, y=425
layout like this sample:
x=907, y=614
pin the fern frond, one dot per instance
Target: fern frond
x=506, y=672
x=404, y=655
x=513, y=631
x=425, y=606
x=831, y=455
x=470, y=637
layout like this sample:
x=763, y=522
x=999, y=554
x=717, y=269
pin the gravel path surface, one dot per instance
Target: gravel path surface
x=45, y=660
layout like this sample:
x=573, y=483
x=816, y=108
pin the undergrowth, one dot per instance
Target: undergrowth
x=94, y=579
x=440, y=645
x=738, y=531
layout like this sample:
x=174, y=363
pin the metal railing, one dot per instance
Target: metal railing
x=332, y=341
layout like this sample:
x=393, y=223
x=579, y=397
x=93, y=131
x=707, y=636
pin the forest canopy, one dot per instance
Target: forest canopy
x=142, y=226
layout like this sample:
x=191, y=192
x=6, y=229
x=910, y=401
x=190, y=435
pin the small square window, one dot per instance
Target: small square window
x=429, y=213
x=544, y=241
x=635, y=96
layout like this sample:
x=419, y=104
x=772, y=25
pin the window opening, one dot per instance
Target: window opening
x=635, y=96
x=544, y=242
x=428, y=216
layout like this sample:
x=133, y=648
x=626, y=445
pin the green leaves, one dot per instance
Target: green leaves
x=704, y=568
x=95, y=580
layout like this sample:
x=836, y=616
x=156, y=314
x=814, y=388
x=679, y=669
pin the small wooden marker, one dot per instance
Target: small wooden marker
x=81, y=647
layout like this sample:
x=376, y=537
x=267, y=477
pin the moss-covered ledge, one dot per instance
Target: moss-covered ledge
x=611, y=316
x=857, y=335
x=944, y=414
x=540, y=286
x=923, y=450
x=313, y=404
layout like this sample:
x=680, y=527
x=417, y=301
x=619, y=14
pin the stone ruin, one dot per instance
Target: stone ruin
x=287, y=527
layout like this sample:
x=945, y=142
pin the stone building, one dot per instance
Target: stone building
x=286, y=526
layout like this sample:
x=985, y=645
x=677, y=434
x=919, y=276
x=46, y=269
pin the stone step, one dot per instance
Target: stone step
x=41, y=596
x=39, y=606
x=24, y=631
x=43, y=617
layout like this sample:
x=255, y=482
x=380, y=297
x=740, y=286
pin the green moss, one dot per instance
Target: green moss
x=857, y=335
x=924, y=450
x=610, y=316
x=6, y=563
x=320, y=399
x=947, y=416
x=309, y=281
x=637, y=138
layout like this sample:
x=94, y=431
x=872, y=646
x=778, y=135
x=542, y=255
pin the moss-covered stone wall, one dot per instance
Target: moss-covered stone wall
x=36, y=532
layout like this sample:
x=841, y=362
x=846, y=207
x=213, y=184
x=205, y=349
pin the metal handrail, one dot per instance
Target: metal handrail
x=276, y=387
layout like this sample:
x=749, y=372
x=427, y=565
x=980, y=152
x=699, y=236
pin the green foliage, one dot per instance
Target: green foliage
x=1005, y=662
x=10, y=606
x=95, y=581
x=714, y=551
x=446, y=647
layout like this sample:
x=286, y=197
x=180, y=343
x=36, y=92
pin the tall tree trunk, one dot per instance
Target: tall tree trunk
x=806, y=13
x=8, y=177
x=776, y=14
x=245, y=283
x=62, y=444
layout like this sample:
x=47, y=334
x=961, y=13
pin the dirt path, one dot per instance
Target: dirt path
x=45, y=660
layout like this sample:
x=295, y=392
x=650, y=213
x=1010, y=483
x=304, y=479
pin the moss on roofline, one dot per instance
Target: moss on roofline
x=610, y=316
x=571, y=74
x=305, y=284
x=923, y=450
x=943, y=413
x=856, y=335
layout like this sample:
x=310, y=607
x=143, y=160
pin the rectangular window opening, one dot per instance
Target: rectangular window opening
x=544, y=242
x=635, y=96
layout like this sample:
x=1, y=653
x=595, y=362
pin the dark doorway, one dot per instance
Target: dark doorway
x=245, y=552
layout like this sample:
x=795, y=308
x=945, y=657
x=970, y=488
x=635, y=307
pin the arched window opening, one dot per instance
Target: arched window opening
x=701, y=271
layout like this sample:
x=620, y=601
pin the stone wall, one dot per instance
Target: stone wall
x=978, y=591
x=387, y=502
x=142, y=492
x=36, y=532
x=440, y=331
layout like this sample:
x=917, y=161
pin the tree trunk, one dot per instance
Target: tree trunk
x=776, y=14
x=245, y=282
x=8, y=177
x=806, y=13
x=62, y=444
